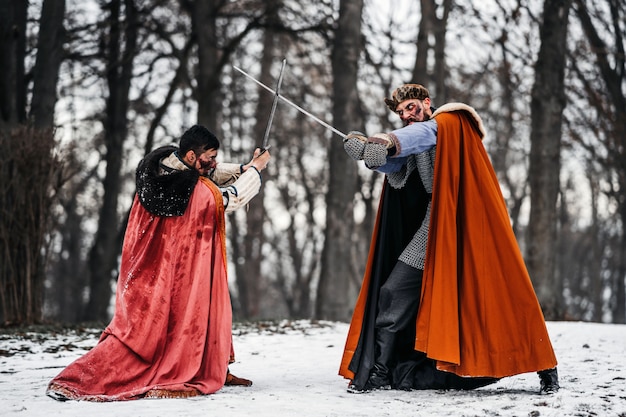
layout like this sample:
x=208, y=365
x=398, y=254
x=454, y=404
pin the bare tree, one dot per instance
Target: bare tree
x=12, y=71
x=547, y=104
x=333, y=300
x=67, y=269
x=249, y=277
x=121, y=49
x=503, y=133
x=182, y=73
x=28, y=163
x=49, y=57
x=28, y=171
x=216, y=45
x=610, y=102
x=204, y=21
x=432, y=25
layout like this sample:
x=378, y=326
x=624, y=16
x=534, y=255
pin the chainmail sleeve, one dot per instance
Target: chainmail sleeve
x=399, y=178
x=414, y=253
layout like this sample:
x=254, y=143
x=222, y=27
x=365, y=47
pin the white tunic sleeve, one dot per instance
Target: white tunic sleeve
x=239, y=192
x=237, y=187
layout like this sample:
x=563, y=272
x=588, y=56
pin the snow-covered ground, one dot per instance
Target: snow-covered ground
x=294, y=368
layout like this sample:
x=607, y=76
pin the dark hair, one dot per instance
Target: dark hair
x=199, y=139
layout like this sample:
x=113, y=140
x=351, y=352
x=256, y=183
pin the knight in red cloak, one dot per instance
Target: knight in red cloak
x=446, y=300
x=170, y=335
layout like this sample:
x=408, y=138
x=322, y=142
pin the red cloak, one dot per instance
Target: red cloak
x=171, y=331
x=479, y=315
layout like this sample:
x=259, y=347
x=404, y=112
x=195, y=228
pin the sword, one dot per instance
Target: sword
x=292, y=104
x=264, y=146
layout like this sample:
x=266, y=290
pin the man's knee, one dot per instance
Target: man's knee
x=385, y=298
x=398, y=297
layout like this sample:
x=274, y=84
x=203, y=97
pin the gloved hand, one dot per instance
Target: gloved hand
x=374, y=155
x=376, y=150
x=354, y=144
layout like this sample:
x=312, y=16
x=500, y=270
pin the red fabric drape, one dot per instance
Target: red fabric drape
x=171, y=331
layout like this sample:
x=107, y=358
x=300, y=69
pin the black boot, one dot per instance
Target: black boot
x=549, y=379
x=379, y=379
x=380, y=375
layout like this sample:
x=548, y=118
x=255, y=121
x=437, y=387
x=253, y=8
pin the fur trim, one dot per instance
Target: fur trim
x=164, y=195
x=452, y=107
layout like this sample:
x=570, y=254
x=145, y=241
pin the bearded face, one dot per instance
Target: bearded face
x=205, y=161
x=413, y=111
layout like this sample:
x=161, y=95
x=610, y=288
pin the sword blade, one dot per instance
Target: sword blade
x=292, y=104
x=266, y=136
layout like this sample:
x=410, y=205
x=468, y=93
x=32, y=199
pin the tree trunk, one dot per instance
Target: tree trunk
x=595, y=260
x=27, y=168
x=203, y=19
x=69, y=274
x=333, y=293
x=249, y=277
x=441, y=69
x=432, y=26
x=547, y=103
x=420, y=70
x=49, y=58
x=612, y=70
x=104, y=253
x=619, y=310
x=12, y=55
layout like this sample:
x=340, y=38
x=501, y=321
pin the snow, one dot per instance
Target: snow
x=294, y=368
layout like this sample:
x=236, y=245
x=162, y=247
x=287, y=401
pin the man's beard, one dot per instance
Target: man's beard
x=414, y=119
x=411, y=120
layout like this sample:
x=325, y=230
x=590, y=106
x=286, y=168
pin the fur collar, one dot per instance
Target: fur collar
x=164, y=190
x=474, y=117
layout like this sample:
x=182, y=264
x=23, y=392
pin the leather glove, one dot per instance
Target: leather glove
x=354, y=144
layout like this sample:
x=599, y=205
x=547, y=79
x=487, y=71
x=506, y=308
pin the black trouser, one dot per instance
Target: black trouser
x=399, y=298
x=398, y=302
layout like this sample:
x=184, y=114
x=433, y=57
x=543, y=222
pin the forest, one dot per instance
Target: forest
x=88, y=87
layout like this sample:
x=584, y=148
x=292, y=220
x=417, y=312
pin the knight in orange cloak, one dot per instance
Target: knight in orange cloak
x=170, y=335
x=446, y=300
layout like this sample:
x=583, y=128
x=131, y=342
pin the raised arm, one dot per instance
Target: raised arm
x=387, y=152
x=240, y=183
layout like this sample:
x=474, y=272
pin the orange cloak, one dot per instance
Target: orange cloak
x=479, y=315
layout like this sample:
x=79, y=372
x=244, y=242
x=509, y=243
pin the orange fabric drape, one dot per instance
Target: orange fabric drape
x=359, y=309
x=479, y=315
